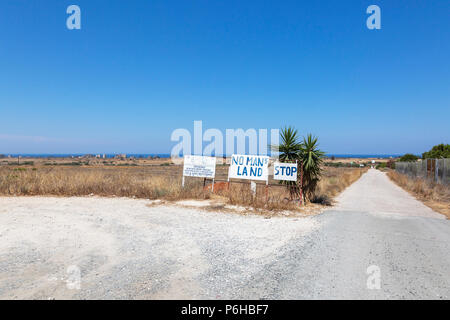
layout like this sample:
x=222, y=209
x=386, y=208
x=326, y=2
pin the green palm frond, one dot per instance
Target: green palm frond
x=289, y=148
x=305, y=152
x=312, y=159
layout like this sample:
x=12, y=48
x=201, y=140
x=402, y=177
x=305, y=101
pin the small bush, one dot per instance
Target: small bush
x=24, y=163
x=382, y=165
x=322, y=199
x=409, y=157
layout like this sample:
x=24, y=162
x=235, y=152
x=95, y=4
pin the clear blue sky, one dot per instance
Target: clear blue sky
x=137, y=70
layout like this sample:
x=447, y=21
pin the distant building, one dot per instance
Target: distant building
x=120, y=156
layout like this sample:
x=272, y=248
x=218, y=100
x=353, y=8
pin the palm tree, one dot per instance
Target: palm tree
x=312, y=160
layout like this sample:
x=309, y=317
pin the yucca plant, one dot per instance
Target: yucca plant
x=289, y=151
x=312, y=159
x=309, y=158
x=289, y=147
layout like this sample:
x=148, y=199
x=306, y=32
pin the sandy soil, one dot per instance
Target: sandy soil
x=125, y=248
x=103, y=248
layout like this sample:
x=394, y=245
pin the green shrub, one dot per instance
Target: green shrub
x=24, y=163
x=409, y=157
x=437, y=152
x=381, y=165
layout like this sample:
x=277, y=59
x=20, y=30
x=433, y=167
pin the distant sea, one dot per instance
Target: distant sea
x=166, y=155
x=365, y=156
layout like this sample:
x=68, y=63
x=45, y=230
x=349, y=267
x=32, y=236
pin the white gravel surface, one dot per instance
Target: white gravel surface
x=125, y=249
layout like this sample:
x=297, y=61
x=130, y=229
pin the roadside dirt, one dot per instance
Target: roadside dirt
x=125, y=248
x=120, y=248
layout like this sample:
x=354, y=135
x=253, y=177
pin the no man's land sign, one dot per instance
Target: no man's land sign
x=249, y=167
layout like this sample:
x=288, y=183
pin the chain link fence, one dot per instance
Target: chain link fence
x=437, y=170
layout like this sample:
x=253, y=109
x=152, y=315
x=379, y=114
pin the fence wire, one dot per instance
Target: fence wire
x=437, y=170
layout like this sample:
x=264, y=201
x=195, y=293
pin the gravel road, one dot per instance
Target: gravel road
x=128, y=249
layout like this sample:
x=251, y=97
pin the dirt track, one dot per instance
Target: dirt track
x=377, y=194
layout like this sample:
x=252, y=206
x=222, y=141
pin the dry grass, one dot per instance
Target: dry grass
x=433, y=195
x=82, y=181
x=270, y=198
x=154, y=182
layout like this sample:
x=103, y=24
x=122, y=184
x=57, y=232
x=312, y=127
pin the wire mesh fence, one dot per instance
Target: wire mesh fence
x=437, y=170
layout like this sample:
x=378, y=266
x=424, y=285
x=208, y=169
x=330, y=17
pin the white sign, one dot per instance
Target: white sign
x=199, y=166
x=285, y=171
x=249, y=167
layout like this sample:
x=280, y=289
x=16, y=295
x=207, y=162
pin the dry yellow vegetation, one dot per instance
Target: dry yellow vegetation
x=434, y=195
x=156, y=182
